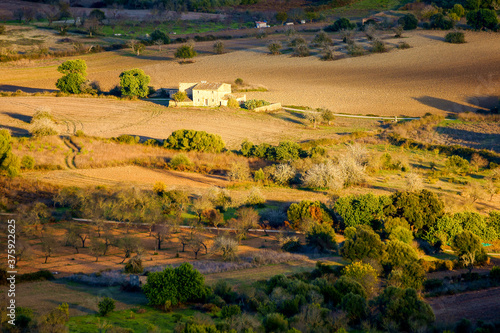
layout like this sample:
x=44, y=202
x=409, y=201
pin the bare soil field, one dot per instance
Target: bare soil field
x=432, y=76
x=128, y=175
x=474, y=305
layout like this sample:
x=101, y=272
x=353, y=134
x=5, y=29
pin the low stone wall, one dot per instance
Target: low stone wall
x=267, y=108
x=172, y=103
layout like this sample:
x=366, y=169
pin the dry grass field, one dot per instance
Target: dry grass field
x=432, y=76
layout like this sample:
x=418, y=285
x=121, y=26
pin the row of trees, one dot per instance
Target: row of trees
x=133, y=83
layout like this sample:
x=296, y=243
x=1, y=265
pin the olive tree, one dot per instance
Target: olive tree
x=134, y=83
x=74, y=72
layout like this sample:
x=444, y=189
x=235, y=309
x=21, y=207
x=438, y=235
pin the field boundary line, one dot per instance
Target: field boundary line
x=396, y=118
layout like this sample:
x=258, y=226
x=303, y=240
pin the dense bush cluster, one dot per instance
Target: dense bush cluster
x=285, y=151
x=252, y=104
x=194, y=140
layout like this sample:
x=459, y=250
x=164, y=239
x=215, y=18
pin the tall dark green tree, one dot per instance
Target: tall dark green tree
x=9, y=163
x=134, y=83
x=74, y=72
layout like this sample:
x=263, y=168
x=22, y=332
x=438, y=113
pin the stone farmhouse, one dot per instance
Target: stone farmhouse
x=205, y=94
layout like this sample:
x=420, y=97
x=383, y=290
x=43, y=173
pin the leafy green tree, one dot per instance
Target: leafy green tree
x=9, y=163
x=493, y=221
x=74, y=72
x=275, y=322
x=229, y=311
x=179, y=96
x=411, y=275
x=159, y=35
x=446, y=228
x=468, y=248
x=421, y=209
x=476, y=224
x=97, y=14
x=399, y=254
x=194, y=140
x=345, y=285
x=106, y=306
x=458, y=10
x=288, y=151
x=402, y=234
x=364, y=244
x=482, y=19
x=403, y=307
x=134, y=83
x=185, y=52
x=439, y=21
x=409, y=22
x=362, y=273
x=360, y=209
x=282, y=17
x=315, y=210
x=355, y=306
x=175, y=285
x=321, y=236
x=341, y=24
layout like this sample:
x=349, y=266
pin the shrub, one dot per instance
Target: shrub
x=355, y=50
x=159, y=35
x=179, y=96
x=315, y=210
x=127, y=139
x=404, y=46
x=219, y=47
x=402, y=234
x=185, y=52
x=439, y=21
x=239, y=81
x=341, y=24
x=321, y=236
x=134, y=83
x=28, y=162
x=229, y=311
x=2, y=29
x=364, y=244
x=255, y=197
x=399, y=254
x=495, y=273
x=233, y=103
x=74, y=76
x=274, y=48
x=322, y=39
x=482, y=19
x=455, y=37
x=255, y=103
x=106, y=306
x=134, y=266
x=227, y=245
x=378, y=46
x=301, y=51
x=355, y=306
x=275, y=322
x=175, y=285
x=409, y=22
x=458, y=10
x=324, y=175
x=180, y=162
x=468, y=248
x=402, y=307
x=360, y=209
x=362, y=273
x=194, y=140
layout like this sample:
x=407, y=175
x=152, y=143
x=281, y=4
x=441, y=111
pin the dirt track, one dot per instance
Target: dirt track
x=432, y=76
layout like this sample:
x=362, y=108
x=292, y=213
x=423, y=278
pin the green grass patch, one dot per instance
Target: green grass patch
x=131, y=319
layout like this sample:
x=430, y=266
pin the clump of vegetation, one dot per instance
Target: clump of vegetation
x=127, y=139
x=404, y=46
x=219, y=47
x=74, y=72
x=341, y=24
x=482, y=19
x=252, y=104
x=185, y=52
x=134, y=266
x=194, y=140
x=274, y=48
x=180, y=162
x=301, y=51
x=409, y=22
x=106, y=306
x=233, y=103
x=355, y=50
x=28, y=162
x=456, y=37
x=159, y=35
x=134, y=83
x=439, y=21
x=43, y=124
x=173, y=286
x=378, y=46
x=9, y=163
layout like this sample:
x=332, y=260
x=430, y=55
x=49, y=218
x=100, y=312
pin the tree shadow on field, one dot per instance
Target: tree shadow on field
x=472, y=139
x=16, y=131
x=18, y=116
x=434, y=37
x=294, y=117
x=484, y=102
x=444, y=104
x=11, y=88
